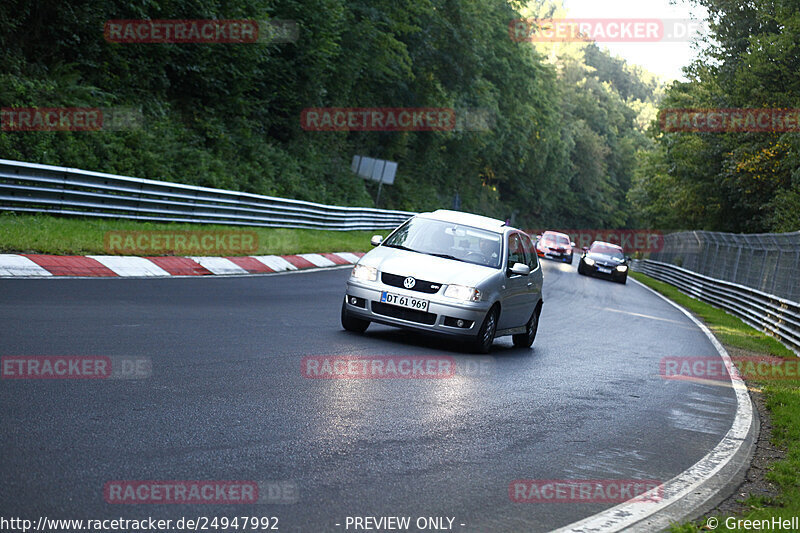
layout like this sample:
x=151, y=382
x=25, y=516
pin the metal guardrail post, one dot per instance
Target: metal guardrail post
x=775, y=272
x=736, y=263
x=761, y=279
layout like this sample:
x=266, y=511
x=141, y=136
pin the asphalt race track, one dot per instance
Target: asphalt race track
x=226, y=401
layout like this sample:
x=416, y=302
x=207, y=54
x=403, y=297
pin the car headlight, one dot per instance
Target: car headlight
x=622, y=268
x=588, y=260
x=365, y=273
x=460, y=292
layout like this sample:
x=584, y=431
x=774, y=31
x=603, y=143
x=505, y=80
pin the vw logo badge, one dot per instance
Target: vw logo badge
x=409, y=282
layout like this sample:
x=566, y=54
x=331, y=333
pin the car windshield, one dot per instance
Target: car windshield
x=449, y=240
x=606, y=250
x=555, y=239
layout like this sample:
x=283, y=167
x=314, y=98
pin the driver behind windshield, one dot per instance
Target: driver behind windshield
x=489, y=249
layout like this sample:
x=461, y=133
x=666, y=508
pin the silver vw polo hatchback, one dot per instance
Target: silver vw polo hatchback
x=450, y=273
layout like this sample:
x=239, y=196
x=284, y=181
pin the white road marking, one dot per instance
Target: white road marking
x=639, y=314
x=691, y=480
x=317, y=260
x=129, y=265
x=17, y=265
x=275, y=262
x=13, y=265
x=347, y=256
x=219, y=265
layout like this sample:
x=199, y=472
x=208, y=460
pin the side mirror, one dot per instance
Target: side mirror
x=376, y=240
x=572, y=244
x=627, y=258
x=520, y=269
x=585, y=249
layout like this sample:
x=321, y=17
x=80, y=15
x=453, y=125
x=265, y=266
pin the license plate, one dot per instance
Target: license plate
x=604, y=270
x=404, y=301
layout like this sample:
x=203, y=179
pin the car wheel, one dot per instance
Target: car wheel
x=351, y=323
x=581, y=271
x=570, y=259
x=525, y=340
x=624, y=280
x=485, y=338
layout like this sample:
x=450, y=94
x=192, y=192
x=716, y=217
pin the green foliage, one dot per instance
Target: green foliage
x=23, y=233
x=561, y=151
x=740, y=182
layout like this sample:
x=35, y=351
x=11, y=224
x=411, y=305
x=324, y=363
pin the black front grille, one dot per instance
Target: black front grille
x=402, y=313
x=420, y=285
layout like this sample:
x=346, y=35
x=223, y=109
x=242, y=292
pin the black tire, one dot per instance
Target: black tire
x=624, y=280
x=351, y=323
x=525, y=340
x=570, y=259
x=581, y=271
x=483, y=342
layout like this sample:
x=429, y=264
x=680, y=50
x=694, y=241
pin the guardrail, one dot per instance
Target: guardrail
x=771, y=314
x=764, y=261
x=30, y=187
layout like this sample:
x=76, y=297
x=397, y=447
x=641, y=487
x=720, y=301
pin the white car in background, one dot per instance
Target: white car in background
x=465, y=276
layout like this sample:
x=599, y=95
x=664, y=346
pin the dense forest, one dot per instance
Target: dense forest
x=572, y=140
x=737, y=181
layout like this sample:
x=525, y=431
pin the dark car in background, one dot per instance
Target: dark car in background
x=604, y=260
x=555, y=245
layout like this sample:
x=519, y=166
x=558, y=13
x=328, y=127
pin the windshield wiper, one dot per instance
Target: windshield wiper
x=401, y=247
x=446, y=256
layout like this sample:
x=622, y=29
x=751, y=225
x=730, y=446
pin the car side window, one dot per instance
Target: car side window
x=533, y=261
x=516, y=252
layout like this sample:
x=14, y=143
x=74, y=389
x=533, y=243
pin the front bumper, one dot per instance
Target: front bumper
x=558, y=256
x=615, y=274
x=441, y=317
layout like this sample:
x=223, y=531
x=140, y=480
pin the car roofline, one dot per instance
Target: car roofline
x=557, y=233
x=468, y=219
x=611, y=244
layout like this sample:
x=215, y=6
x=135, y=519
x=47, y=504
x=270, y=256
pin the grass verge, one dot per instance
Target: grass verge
x=782, y=399
x=47, y=234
